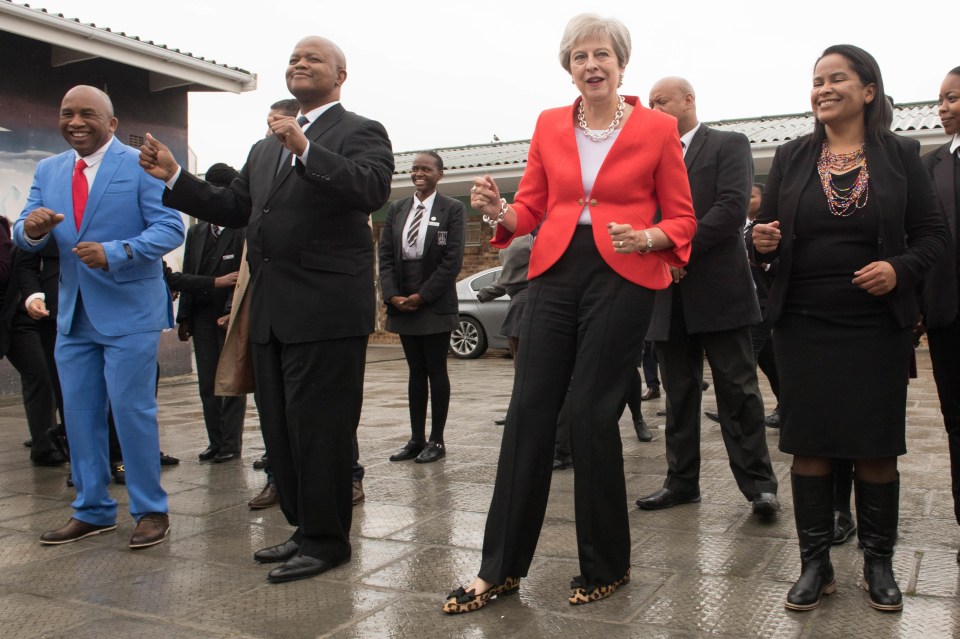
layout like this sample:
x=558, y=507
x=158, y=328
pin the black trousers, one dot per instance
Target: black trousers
x=945, y=356
x=762, y=337
x=223, y=416
x=36, y=384
x=310, y=396
x=730, y=354
x=649, y=362
x=426, y=357
x=584, y=321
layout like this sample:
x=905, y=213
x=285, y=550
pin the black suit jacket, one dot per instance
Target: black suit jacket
x=442, y=253
x=718, y=292
x=309, y=244
x=939, y=301
x=196, y=282
x=911, y=233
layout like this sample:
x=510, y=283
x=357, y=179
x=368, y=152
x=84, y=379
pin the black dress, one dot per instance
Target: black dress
x=844, y=361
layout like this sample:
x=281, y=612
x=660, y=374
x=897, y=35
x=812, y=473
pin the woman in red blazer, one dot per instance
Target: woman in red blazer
x=597, y=174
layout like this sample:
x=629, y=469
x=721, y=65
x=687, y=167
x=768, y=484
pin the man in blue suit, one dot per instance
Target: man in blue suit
x=112, y=230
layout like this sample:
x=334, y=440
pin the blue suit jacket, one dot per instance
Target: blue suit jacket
x=124, y=213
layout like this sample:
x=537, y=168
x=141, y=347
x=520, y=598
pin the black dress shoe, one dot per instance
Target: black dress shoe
x=661, y=413
x=168, y=460
x=209, y=453
x=766, y=505
x=653, y=392
x=49, y=458
x=431, y=453
x=28, y=443
x=714, y=417
x=261, y=463
x=642, y=430
x=704, y=386
x=562, y=463
x=500, y=422
x=280, y=552
x=224, y=456
x=410, y=451
x=773, y=419
x=843, y=527
x=665, y=498
x=301, y=567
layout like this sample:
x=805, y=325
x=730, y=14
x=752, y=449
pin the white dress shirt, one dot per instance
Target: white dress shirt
x=415, y=251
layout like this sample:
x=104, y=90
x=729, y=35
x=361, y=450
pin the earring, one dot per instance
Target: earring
x=621, y=81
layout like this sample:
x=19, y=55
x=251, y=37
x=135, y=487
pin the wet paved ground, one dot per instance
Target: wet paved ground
x=703, y=570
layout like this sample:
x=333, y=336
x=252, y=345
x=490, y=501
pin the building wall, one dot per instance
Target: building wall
x=30, y=94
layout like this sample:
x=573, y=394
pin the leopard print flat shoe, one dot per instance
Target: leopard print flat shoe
x=584, y=592
x=460, y=600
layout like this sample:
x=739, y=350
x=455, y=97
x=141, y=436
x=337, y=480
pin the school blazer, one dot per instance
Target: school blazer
x=644, y=170
x=442, y=253
x=939, y=300
x=911, y=233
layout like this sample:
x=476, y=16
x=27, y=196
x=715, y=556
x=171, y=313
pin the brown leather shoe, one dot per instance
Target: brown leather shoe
x=358, y=494
x=150, y=531
x=73, y=531
x=266, y=498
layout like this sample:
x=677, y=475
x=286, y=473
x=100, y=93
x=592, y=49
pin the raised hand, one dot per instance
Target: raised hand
x=157, y=160
x=40, y=221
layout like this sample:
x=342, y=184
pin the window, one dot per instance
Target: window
x=472, y=233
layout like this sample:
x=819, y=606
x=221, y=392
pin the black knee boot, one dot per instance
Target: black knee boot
x=878, y=509
x=813, y=511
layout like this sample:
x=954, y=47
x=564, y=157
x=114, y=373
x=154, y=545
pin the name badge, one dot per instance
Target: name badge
x=228, y=257
x=441, y=238
x=433, y=223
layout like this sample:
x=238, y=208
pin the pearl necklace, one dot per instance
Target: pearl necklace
x=600, y=136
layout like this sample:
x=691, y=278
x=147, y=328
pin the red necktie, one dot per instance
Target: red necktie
x=81, y=191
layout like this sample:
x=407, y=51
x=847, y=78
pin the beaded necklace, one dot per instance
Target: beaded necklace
x=843, y=202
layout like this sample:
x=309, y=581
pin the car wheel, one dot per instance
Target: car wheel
x=468, y=341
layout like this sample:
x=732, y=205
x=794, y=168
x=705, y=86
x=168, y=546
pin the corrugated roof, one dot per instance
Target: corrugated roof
x=471, y=157
x=915, y=116
x=21, y=15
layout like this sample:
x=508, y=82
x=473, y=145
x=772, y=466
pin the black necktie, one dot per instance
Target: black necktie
x=415, y=226
x=285, y=153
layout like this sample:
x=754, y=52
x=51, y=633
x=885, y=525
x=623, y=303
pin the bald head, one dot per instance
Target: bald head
x=315, y=72
x=92, y=95
x=86, y=119
x=675, y=96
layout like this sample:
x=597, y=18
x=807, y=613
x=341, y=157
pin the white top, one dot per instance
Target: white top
x=592, y=155
x=955, y=144
x=415, y=251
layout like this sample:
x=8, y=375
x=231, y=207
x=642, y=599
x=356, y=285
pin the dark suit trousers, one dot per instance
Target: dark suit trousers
x=730, y=355
x=47, y=329
x=945, y=356
x=39, y=404
x=223, y=416
x=310, y=396
x=761, y=336
x=584, y=321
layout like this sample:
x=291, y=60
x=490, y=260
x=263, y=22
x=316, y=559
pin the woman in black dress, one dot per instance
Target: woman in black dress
x=421, y=251
x=852, y=215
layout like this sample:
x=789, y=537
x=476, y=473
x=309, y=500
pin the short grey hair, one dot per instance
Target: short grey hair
x=589, y=25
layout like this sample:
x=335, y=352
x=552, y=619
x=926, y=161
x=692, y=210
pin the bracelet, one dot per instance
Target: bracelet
x=503, y=211
x=649, y=245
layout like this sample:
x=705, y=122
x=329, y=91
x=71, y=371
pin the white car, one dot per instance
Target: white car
x=480, y=323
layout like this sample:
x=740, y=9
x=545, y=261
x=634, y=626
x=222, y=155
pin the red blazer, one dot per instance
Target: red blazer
x=643, y=171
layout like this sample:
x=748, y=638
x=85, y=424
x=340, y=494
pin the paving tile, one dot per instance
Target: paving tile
x=26, y=615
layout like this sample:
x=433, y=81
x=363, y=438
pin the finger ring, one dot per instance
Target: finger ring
x=474, y=189
x=620, y=243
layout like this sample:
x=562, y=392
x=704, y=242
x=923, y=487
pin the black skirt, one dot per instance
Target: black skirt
x=843, y=389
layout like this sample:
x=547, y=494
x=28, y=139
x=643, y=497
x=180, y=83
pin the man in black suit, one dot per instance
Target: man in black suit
x=708, y=311
x=211, y=261
x=304, y=195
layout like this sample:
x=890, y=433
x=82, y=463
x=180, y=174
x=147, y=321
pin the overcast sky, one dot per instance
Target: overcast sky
x=454, y=73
